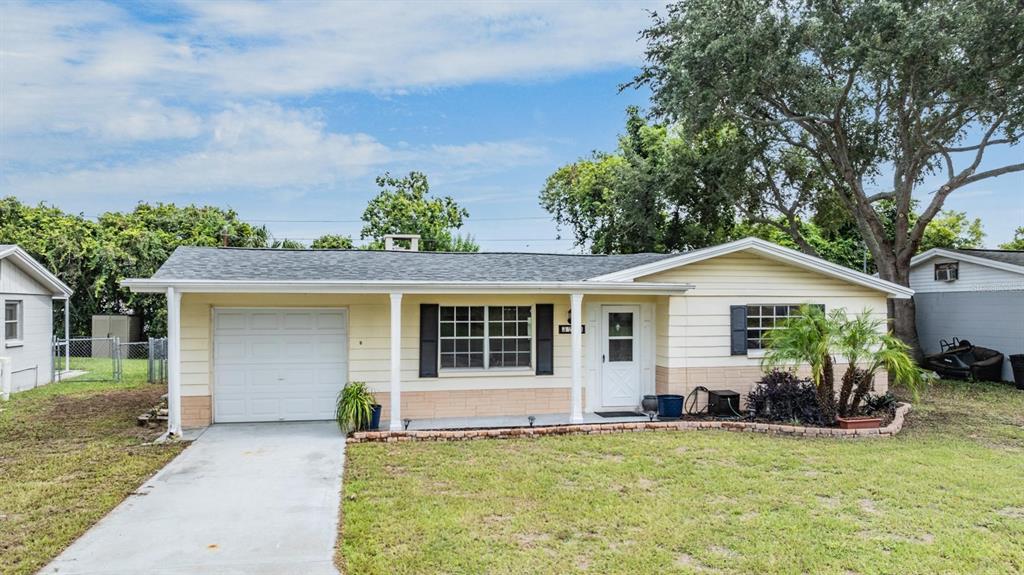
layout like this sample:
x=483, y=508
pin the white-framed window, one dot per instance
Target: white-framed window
x=762, y=318
x=12, y=320
x=947, y=272
x=485, y=337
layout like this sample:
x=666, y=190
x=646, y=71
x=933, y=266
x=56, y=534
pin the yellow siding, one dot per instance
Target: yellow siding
x=369, y=332
x=695, y=331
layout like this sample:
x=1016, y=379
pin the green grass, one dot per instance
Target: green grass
x=945, y=496
x=69, y=453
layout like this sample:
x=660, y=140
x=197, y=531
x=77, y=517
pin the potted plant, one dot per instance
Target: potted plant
x=356, y=408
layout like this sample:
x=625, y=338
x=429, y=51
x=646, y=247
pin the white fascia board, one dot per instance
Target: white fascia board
x=768, y=249
x=59, y=289
x=941, y=253
x=421, y=287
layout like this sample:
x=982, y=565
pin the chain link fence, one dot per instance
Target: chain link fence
x=157, y=360
x=87, y=359
x=109, y=359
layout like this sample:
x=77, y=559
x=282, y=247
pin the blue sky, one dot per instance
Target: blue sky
x=288, y=111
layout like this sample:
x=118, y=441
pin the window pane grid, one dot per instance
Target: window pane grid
x=11, y=324
x=762, y=318
x=510, y=338
x=462, y=336
x=483, y=337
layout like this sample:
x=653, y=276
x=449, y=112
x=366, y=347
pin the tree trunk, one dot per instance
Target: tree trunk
x=827, y=391
x=902, y=312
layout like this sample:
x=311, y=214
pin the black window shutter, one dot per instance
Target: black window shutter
x=738, y=323
x=545, y=339
x=428, y=339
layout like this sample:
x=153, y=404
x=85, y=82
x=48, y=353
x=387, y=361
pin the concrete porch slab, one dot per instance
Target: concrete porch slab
x=541, y=420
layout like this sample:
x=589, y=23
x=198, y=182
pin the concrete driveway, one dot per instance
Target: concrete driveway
x=243, y=498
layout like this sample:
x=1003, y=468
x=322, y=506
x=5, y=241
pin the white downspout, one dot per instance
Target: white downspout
x=396, y=362
x=173, y=362
x=67, y=334
x=576, y=322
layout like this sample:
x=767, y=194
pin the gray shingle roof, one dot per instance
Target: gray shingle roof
x=201, y=263
x=1005, y=256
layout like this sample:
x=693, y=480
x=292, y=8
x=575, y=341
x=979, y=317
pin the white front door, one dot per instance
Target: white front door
x=274, y=364
x=620, y=356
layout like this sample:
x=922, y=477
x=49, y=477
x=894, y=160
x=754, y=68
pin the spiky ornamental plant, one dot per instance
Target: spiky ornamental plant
x=354, y=407
x=869, y=349
x=813, y=338
x=807, y=338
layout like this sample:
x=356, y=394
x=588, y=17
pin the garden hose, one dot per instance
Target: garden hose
x=691, y=401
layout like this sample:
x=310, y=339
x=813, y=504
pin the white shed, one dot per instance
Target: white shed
x=976, y=295
x=27, y=292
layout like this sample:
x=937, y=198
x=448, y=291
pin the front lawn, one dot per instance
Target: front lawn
x=69, y=453
x=945, y=496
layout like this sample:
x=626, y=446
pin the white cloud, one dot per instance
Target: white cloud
x=264, y=147
x=96, y=100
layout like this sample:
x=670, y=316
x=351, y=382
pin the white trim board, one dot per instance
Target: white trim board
x=939, y=252
x=36, y=270
x=768, y=250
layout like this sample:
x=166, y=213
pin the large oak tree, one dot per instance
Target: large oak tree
x=888, y=99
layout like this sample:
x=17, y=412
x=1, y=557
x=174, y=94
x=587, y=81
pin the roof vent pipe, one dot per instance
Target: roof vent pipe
x=412, y=239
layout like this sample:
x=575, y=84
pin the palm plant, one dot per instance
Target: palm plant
x=807, y=338
x=812, y=338
x=354, y=408
x=868, y=349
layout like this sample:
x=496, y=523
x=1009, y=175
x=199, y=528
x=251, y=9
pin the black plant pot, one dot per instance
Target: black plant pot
x=375, y=417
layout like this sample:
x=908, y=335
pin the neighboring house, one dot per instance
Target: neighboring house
x=267, y=335
x=976, y=295
x=27, y=291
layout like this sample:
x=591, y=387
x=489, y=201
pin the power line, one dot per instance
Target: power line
x=354, y=221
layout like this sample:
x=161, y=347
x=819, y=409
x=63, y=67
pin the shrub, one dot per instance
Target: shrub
x=878, y=404
x=785, y=397
x=355, y=406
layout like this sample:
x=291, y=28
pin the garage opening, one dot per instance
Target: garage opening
x=274, y=364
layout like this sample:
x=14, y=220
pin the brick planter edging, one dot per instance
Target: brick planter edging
x=893, y=428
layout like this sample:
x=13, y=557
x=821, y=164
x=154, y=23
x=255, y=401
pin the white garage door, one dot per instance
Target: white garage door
x=278, y=364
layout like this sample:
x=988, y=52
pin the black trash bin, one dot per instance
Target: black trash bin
x=1017, y=365
x=670, y=406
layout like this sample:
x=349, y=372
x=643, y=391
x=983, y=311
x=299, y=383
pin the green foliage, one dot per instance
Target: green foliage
x=660, y=190
x=332, y=242
x=1017, y=243
x=952, y=229
x=404, y=206
x=93, y=257
x=803, y=339
x=816, y=339
x=858, y=88
x=354, y=408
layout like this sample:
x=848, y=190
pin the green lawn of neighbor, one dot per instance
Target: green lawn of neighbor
x=69, y=453
x=944, y=496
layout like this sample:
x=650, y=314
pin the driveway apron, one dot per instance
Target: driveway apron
x=243, y=498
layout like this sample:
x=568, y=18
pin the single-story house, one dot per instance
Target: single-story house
x=27, y=292
x=271, y=334
x=977, y=295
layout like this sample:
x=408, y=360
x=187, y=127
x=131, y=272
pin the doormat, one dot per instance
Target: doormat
x=618, y=413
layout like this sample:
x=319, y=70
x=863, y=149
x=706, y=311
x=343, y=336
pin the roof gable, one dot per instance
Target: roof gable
x=1006, y=260
x=34, y=269
x=765, y=249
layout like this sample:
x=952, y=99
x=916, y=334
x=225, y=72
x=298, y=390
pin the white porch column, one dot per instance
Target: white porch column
x=576, y=311
x=173, y=362
x=396, y=362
